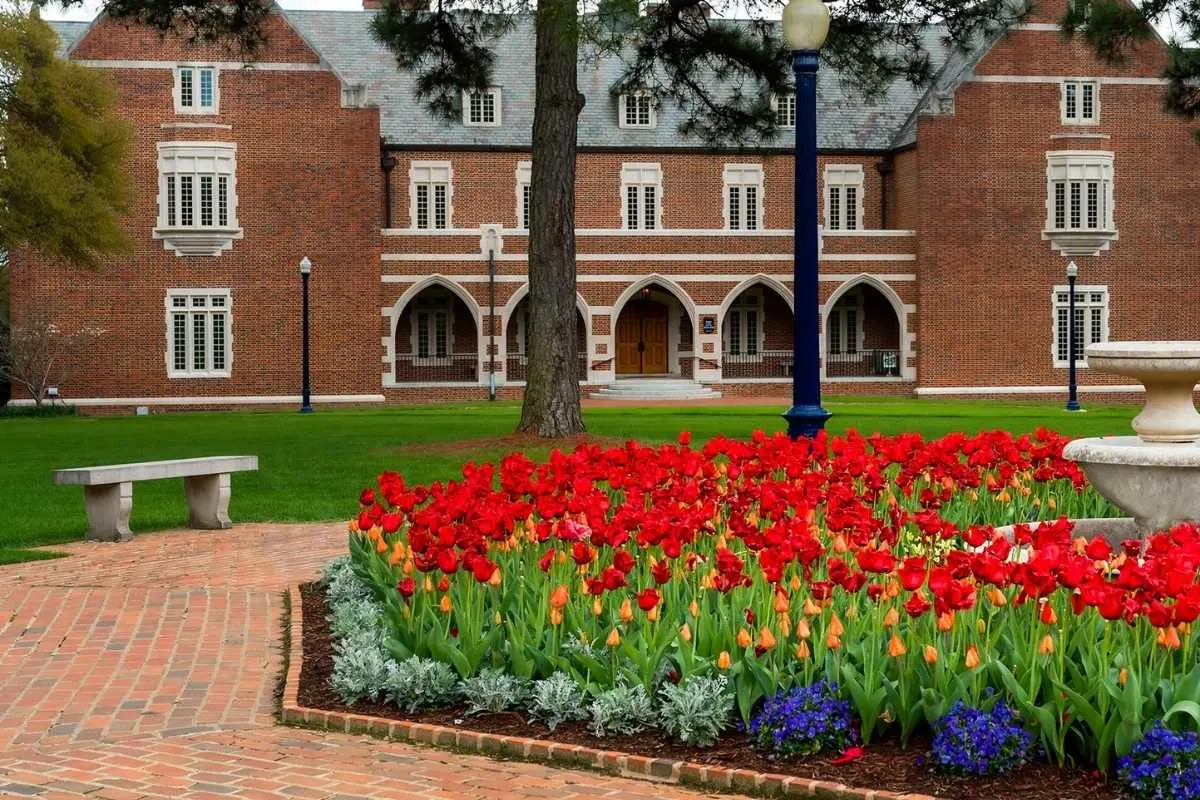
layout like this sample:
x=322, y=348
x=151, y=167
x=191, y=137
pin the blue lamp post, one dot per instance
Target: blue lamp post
x=306, y=393
x=806, y=24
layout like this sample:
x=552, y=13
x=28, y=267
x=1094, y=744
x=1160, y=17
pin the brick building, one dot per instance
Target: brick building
x=949, y=215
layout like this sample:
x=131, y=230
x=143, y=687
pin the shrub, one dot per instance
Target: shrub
x=625, y=710
x=357, y=617
x=341, y=583
x=25, y=412
x=971, y=741
x=418, y=683
x=697, y=711
x=1163, y=765
x=493, y=690
x=803, y=721
x=558, y=699
x=359, y=669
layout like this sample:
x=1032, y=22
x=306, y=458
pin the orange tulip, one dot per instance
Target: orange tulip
x=802, y=629
x=743, y=638
x=597, y=607
x=785, y=626
x=781, y=603
x=766, y=639
x=893, y=589
x=494, y=581
x=811, y=609
x=896, y=647
x=833, y=642
x=685, y=632
x=891, y=618
x=428, y=584
x=723, y=661
x=1123, y=676
x=802, y=651
x=614, y=638
x=839, y=545
x=555, y=617
x=445, y=605
x=694, y=609
x=835, y=626
x=795, y=582
x=930, y=654
x=652, y=614
x=1171, y=639
x=945, y=622
x=996, y=597
x=559, y=597
x=972, y=659
x=626, y=611
x=1046, y=645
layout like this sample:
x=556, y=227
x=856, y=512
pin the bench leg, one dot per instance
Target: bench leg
x=108, y=508
x=208, y=501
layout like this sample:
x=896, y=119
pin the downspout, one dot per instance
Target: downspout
x=886, y=166
x=387, y=163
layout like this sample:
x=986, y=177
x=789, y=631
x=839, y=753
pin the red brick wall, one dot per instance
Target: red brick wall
x=294, y=198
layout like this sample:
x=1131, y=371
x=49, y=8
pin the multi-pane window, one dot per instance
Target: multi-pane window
x=197, y=185
x=429, y=183
x=637, y=110
x=1080, y=191
x=785, y=110
x=198, y=333
x=1080, y=102
x=743, y=326
x=482, y=108
x=641, y=186
x=843, y=197
x=1091, y=321
x=743, y=196
x=196, y=90
x=845, y=326
x=524, y=180
x=432, y=325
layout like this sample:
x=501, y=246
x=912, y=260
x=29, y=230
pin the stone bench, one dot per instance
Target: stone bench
x=108, y=491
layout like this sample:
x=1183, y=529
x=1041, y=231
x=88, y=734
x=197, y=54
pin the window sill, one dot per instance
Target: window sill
x=1079, y=242
x=197, y=241
x=199, y=374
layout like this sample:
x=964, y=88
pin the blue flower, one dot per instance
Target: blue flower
x=804, y=720
x=1163, y=765
x=970, y=741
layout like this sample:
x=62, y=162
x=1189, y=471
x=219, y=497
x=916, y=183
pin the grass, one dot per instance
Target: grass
x=311, y=467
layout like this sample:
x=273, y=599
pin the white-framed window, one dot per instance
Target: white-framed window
x=197, y=197
x=743, y=335
x=524, y=181
x=1091, y=321
x=641, y=196
x=843, y=197
x=482, y=109
x=431, y=194
x=637, y=110
x=784, y=106
x=196, y=90
x=846, y=325
x=1083, y=7
x=743, y=196
x=199, y=338
x=1080, y=191
x=433, y=328
x=1080, y=103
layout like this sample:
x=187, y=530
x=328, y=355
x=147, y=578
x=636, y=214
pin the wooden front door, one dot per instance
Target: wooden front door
x=642, y=339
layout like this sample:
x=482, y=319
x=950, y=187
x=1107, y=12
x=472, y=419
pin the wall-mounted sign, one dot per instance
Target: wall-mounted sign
x=708, y=324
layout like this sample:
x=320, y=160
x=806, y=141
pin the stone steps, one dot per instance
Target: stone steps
x=656, y=390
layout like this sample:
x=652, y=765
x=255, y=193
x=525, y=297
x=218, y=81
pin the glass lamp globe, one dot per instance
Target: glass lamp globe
x=806, y=24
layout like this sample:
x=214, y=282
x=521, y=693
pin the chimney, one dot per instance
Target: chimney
x=372, y=5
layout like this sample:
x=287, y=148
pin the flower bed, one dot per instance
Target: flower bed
x=656, y=583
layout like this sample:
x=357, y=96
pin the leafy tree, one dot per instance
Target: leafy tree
x=62, y=149
x=719, y=73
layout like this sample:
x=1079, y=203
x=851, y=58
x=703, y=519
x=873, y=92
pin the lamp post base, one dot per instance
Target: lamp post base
x=306, y=409
x=806, y=421
x=1073, y=405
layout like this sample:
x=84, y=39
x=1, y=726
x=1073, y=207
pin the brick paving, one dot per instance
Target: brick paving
x=148, y=669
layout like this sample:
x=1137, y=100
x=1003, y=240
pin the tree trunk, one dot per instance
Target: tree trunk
x=552, y=383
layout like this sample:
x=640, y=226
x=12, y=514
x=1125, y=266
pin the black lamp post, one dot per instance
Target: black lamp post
x=306, y=391
x=490, y=243
x=806, y=24
x=1072, y=389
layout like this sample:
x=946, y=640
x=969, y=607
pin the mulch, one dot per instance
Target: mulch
x=885, y=765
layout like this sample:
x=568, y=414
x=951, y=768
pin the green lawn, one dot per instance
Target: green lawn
x=312, y=466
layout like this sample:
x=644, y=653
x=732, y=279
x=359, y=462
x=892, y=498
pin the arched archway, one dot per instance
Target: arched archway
x=518, y=324
x=435, y=334
x=757, y=330
x=865, y=326
x=654, y=330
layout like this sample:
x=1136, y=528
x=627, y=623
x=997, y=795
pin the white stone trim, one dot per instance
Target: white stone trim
x=389, y=382
x=261, y=66
x=939, y=391
x=218, y=400
x=743, y=176
x=1035, y=26
x=196, y=108
x=206, y=159
x=432, y=173
x=1079, y=119
x=169, y=309
x=497, y=97
x=641, y=174
x=394, y=312
x=524, y=178
x=715, y=277
x=223, y=126
x=622, y=105
x=638, y=257
x=1104, y=81
x=700, y=232
x=842, y=176
x=1081, y=165
x=1081, y=358
x=585, y=311
x=668, y=283
x=902, y=309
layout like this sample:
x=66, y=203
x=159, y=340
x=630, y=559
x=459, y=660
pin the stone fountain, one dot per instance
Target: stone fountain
x=1155, y=475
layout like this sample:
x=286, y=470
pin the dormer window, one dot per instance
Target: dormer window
x=784, y=106
x=637, y=110
x=196, y=90
x=482, y=109
x=1080, y=102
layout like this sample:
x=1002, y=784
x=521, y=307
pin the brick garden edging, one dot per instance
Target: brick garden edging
x=543, y=750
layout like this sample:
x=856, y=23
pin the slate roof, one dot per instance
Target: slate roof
x=343, y=39
x=68, y=33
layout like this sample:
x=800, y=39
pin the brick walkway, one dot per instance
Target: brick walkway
x=148, y=669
